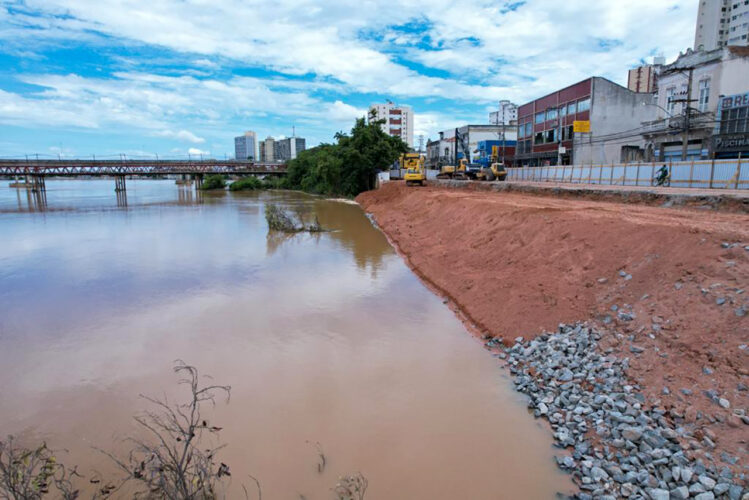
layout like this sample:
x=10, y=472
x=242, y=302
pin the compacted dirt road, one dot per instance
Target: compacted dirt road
x=670, y=285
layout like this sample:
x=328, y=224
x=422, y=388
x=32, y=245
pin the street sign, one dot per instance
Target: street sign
x=562, y=150
x=581, y=126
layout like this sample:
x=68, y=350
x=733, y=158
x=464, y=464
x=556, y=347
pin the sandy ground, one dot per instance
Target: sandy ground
x=514, y=264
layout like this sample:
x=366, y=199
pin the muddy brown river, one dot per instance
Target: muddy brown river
x=325, y=338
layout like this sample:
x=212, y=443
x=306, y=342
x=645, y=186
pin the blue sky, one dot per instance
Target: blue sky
x=172, y=77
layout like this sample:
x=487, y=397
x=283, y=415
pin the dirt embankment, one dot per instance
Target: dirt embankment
x=660, y=280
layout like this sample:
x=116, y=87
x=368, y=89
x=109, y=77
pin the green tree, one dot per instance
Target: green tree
x=349, y=166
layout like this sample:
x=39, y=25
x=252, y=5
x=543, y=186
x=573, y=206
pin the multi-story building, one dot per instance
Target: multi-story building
x=287, y=149
x=687, y=101
x=267, y=150
x=645, y=78
x=721, y=23
x=612, y=112
x=245, y=146
x=398, y=120
x=507, y=114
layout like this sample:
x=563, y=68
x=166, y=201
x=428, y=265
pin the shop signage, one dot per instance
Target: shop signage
x=734, y=101
x=731, y=141
x=581, y=126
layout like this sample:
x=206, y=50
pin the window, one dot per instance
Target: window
x=540, y=117
x=521, y=131
x=551, y=114
x=539, y=139
x=571, y=108
x=528, y=129
x=583, y=105
x=563, y=110
x=670, y=104
x=551, y=135
x=704, y=95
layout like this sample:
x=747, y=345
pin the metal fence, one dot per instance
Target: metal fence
x=711, y=174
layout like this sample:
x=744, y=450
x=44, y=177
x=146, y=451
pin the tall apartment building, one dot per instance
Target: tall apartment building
x=245, y=146
x=267, y=150
x=645, y=78
x=399, y=120
x=287, y=149
x=721, y=23
x=507, y=114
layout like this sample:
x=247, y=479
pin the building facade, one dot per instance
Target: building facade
x=245, y=146
x=288, y=149
x=545, y=126
x=689, y=91
x=721, y=23
x=507, y=114
x=399, y=120
x=731, y=138
x=267, y=150
x=645, y=78
x=469, y=137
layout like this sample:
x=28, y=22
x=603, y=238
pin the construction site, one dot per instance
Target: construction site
x=643, y=288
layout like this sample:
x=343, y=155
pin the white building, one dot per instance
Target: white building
x=399, y=120
x=245, y=146
x=721, y=23
x=507, y=114
x=716, y=73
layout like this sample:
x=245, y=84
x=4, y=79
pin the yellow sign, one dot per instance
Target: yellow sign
x=581, y=126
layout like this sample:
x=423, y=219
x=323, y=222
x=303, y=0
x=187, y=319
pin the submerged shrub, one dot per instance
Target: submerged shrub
x=246, y=183
x=279, y=220
x=214, y=182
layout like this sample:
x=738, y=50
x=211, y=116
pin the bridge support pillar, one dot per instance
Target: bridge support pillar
x=119, y=183
x=198, y=181
x=38, y=184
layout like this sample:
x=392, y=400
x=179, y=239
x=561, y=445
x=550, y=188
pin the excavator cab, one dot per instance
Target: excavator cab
x=413, y=163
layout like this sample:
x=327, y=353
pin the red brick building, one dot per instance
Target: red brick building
x=546, y=124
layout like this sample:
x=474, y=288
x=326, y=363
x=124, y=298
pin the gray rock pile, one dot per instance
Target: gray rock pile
x=618, y=447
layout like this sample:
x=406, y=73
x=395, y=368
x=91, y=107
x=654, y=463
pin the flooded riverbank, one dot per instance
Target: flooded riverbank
x=324, y=338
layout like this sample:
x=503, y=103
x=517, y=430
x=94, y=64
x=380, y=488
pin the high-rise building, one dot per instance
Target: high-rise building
x=507, y=114
x=244, y=146
x=721, y=23
x=399, y=120
x=645, y=78
x=287, y=149
x=267, y=150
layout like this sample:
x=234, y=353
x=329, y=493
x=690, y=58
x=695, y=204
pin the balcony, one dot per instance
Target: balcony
x=697, y=121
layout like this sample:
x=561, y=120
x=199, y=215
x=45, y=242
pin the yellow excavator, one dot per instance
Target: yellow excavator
x=496, y=171
x=413, y=163
x=451, y=172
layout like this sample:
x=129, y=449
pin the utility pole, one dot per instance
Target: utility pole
x=502, y=124
x=456, y=150
x=421, y=142
x=687, y=101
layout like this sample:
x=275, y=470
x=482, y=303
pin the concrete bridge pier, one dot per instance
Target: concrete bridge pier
x=119, y=183
x=37, y=184
x=198, y=182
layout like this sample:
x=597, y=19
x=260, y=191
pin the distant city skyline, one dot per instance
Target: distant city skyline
x=112, y=77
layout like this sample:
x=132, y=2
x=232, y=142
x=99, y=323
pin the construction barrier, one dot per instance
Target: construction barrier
x=704, y=174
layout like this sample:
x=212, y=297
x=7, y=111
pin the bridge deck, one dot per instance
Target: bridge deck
x=134, y=167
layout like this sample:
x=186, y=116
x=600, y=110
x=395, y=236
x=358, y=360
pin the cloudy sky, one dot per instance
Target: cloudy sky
x=104, y=77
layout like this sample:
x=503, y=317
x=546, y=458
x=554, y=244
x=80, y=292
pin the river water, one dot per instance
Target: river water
x=324, y=338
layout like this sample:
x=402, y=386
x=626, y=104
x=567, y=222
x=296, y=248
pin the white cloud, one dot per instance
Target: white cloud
x=182, y=135
x=196, y=151
x=479, y=51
